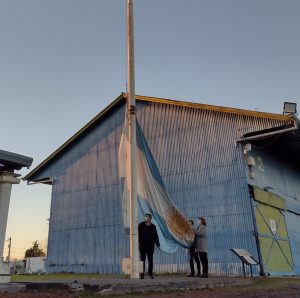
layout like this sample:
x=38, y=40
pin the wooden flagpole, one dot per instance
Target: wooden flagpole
x=134, y=253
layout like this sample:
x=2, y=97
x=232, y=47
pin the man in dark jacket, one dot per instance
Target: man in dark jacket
x=147, y=238
x=193, y=256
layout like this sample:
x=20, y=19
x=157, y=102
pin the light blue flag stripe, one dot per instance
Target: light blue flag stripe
x=143, y=146
x=153, y=199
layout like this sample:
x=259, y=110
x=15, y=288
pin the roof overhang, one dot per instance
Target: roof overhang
x=10, y=161
x=283, y=142
x=46, y=180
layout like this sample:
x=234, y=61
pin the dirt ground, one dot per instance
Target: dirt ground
x=218, y=293
x=272, y=287
x=214, y=293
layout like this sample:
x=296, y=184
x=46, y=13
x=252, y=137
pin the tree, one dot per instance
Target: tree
x=34, y=251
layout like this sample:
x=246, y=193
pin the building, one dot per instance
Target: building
x=9, y=163
x=35, y=265
x=238, y=168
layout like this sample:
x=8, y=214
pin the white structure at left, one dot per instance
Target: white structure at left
x=35, y=265
x=9, y=162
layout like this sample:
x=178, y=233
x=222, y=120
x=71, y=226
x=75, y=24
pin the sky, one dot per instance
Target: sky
x=63, y=61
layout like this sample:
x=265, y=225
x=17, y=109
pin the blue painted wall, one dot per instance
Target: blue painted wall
x=200, y=164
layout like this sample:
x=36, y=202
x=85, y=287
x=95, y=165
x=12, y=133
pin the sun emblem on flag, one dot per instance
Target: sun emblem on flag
x=179, y=226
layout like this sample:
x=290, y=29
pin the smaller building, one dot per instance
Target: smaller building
x=35, y=265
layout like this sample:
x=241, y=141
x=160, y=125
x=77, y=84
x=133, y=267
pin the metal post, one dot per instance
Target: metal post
x=9, y=247
x=134, y=253
x=255, y=233
x=244, y=271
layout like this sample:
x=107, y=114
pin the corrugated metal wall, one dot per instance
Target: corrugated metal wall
x=200, y=164
x=204, y=173
x=86, y=231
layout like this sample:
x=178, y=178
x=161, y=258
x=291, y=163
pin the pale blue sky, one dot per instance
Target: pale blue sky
x=62, y=61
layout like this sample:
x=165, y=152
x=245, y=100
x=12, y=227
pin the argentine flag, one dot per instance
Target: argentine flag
x=172, y=227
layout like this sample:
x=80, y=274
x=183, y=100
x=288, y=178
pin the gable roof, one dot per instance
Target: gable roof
x=123, y=96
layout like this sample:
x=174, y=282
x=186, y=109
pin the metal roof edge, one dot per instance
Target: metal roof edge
x=156, y=100
x=213, y=107
x=264, y=133
x=75, y=136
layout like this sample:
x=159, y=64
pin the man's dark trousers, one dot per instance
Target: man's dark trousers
x=147, y=251
x=194, y=256
x=204, y=262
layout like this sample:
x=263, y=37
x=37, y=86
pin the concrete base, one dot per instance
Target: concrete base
x=121, y=285
x=4, y=274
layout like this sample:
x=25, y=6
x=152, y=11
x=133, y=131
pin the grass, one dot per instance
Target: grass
x=58, y=276
x=261, y=282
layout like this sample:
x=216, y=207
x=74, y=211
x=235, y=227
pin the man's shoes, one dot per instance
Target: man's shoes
x=142, y=276
x=151, y=276
x=191, y=275
x=204, y=275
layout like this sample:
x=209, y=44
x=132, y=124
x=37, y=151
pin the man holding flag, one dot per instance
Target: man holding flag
x=147, y=239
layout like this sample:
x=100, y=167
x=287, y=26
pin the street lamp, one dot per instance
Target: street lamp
x=289, y=108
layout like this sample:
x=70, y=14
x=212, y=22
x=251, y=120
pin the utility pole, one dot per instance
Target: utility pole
x=9, y=248
x=134, y=253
